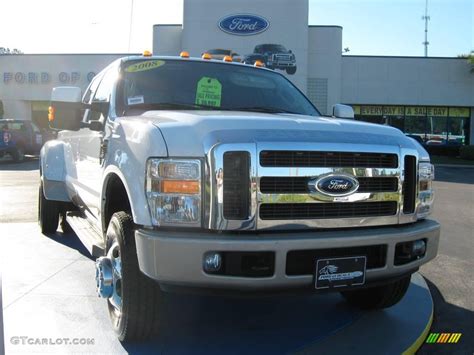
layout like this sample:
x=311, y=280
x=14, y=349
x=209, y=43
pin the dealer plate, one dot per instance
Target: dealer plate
x=340, y=272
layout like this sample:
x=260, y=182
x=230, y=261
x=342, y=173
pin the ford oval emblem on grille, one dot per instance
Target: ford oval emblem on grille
x=335, y=185
x=243, y=24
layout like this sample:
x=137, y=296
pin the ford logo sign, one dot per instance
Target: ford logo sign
x=243, y=24
x=335, y=185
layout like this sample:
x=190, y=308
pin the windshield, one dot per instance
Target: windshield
x=270, y=48
x=177, y=84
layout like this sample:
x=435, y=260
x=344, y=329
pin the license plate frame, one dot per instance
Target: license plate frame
x=340, y=272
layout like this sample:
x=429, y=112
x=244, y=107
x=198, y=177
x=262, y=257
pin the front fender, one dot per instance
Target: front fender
x=53, y=171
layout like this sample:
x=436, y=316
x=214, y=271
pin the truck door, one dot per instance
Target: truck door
x=89, y=164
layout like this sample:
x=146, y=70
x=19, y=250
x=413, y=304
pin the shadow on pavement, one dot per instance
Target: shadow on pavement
x=455, y=175
x=30, y=163
x=70, y=240
x=449, y=318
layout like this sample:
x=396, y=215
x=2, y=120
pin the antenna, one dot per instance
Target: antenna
x=426, y=18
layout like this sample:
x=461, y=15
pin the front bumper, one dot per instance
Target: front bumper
x=176, y=258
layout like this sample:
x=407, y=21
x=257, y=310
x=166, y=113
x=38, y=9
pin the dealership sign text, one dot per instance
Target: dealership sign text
x=243, y=24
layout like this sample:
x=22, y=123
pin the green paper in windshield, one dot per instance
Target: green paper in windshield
x=208, y=92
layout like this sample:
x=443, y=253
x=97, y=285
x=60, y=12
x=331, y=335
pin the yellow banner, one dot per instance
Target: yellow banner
x=356, y=109
x=437, y=111
x=393, y=110
x=415, y=111
x=459, y=112
x=371, y=111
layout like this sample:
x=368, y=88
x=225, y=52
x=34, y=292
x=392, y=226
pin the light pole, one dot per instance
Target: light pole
x=130, y=28
x=426, y=18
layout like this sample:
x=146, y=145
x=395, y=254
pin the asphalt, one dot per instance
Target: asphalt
x=449, y=276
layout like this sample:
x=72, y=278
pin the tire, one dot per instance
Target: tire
x=48, y=212
x=138, y=317
x=378, y=297
x=291, y=70
x=18, y=154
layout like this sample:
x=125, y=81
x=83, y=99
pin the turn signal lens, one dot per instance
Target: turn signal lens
x=259, y=63
x=227, y=58
x=179, y=187
x=206, y=56
x=50, y=113
x=184, y=54
x=147, y=54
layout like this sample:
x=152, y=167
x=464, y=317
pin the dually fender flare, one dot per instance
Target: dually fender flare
x=53, y=171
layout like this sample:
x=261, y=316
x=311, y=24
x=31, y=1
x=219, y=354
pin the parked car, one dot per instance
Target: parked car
x=183, y=174
x=20, y=137
x=274, y=56
x=219, y=54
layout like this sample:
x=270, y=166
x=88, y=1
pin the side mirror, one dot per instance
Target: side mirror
x=343, y=111
x=66, y=110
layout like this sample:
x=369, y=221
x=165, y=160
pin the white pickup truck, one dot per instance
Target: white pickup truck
x=198, y=174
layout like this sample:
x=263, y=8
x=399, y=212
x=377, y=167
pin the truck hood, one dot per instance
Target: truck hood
x=192, y=133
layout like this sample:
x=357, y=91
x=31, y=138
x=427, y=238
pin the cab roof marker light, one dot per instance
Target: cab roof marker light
x=147, y=54
x=206, y=56
x=227, y=58
x=184, y=54
x=51, y=113
x=259, y=64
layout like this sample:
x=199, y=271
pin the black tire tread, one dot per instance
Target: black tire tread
x=140, y=294
x=378, y=297
x=48, y=213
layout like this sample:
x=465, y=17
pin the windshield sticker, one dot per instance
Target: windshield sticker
x=136, y=100
x=208, y=92
x=145, y=65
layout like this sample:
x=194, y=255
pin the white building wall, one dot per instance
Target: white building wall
x=23, y=77
x=324, y=58
x=167, y=39
x=407, y=81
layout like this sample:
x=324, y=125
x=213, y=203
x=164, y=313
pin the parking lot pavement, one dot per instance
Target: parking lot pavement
x=62, y=295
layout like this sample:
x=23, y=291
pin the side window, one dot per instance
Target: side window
x=106, y=85
x=89, y=94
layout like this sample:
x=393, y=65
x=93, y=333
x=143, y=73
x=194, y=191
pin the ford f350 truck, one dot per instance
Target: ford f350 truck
x=194, y=174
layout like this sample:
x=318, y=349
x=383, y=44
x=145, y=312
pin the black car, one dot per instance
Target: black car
x=20, y=137
x=274, y=56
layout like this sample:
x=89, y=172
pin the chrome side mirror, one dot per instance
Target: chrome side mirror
x=343, y=111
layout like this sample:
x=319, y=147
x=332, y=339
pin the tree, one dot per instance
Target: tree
x=5, y=50
x=1, y=109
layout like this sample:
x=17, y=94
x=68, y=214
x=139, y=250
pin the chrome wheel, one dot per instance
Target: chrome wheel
x=115, y=300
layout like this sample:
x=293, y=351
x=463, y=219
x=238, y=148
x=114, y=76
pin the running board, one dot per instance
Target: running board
x=89, y=235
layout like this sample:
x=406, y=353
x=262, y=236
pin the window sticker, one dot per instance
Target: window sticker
x=135, y=100
x=208, y=92
x=145, y=65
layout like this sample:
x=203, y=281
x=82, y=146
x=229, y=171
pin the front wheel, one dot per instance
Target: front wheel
x=380, y=296
x=291, y=70
x=133, y=299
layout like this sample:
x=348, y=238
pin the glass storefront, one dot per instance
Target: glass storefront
x=433, y=124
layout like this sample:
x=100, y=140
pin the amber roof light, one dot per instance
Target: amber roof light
x=147, y=54
x=206, y=56
x=184, y=54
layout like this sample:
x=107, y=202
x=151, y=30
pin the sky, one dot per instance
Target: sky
x=371, y=27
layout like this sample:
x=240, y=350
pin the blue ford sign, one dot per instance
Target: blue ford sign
x=243, y=24
x=335, y=185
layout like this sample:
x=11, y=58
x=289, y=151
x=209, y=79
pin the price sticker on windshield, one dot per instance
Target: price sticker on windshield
x=208, y=92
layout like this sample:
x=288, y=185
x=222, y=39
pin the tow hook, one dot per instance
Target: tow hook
x=104, y=277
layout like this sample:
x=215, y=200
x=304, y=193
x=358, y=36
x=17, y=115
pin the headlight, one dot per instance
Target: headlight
x=173, y=189
x=425, y=188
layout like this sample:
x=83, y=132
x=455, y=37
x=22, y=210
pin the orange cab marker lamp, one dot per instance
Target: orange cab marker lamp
x=227, y=58
x=147, y=54
x=206, y=56
x=184, y=54
x=258, y=63
x=180, y=186
x=50, y=113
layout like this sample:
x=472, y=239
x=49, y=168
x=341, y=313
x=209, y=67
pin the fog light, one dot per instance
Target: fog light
x=418, y=247
x=212, y=262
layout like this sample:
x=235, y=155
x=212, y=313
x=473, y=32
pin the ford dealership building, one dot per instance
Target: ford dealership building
x=430, y=97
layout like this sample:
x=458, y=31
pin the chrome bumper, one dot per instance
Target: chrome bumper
x=176, y=258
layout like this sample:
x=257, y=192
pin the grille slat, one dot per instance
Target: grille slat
x=236, y=182
x=291, y=184
x=409, y=185
x=286, y=211
x=284, y=158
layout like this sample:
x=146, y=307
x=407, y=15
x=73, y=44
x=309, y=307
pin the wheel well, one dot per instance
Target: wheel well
x=115, y=199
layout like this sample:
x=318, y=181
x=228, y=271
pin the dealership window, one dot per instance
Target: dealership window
x=435, y=125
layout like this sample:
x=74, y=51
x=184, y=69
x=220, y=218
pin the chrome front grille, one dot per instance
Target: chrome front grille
x=271, y=189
